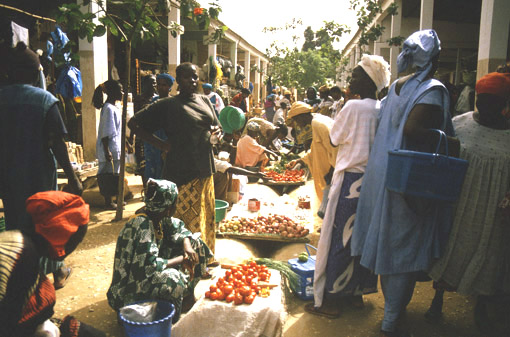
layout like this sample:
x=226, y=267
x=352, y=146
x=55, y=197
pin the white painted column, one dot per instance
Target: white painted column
x=426, y=14
x=256, y=85
x=233, y=58
x=493, y=41
x=262, y=78
x=396, y=24
x=247, y=67
x=94, y=70
x=174, y=46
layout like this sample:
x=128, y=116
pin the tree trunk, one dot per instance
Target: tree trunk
x=126, y=85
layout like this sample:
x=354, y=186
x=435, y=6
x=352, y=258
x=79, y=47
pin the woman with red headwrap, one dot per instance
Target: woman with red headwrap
x=27, y=297
x=477, y=257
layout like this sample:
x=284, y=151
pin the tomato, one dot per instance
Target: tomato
x=228, y=289
x=213, y=288
x=245, y=267
x=221, y=280
x=220, y=295
x=249, y=279
x=228, y=273
x=213, y=296
x=208, y=294
x=263, y=276
x=245, y=290
x=230, y=298
x=238, y=275
x=255, y=288
x=238, y=299
x=253, y=264
x=249, y=299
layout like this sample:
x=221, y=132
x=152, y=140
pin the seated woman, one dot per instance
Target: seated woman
x=249, y=152
x=153, y=252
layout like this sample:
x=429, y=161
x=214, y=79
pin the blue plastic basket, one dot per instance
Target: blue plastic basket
x=160, y=327
x=427, y=175
x=305, y=270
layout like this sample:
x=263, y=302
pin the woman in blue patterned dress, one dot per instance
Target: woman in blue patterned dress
x=156, y=257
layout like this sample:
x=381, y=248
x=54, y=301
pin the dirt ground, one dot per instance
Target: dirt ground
x=84, y=296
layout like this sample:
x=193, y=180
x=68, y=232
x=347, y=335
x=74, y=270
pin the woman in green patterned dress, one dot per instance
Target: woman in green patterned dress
x=156, y=257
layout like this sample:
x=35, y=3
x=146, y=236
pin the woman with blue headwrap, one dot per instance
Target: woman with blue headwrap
x=398, y=237
x=156, y=257
x=153, y=155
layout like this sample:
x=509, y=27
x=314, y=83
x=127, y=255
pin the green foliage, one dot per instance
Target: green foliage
x=366, y=11
x=314, y=65
x=396, y=41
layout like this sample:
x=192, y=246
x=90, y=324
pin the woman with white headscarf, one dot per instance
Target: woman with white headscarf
x=338, y=274
x=398, y=237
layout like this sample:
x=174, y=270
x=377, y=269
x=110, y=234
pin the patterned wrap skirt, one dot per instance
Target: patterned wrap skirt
x=344, y=275
x=195, y=206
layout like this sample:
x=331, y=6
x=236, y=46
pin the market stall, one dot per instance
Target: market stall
x=270, y=218
x=265, y=316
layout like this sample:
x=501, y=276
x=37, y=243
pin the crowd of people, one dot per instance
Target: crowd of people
x=189, y=145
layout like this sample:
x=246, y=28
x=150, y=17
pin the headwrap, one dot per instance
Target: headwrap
x=298, y=108
x=494, y=83
x=231, y=119
x=287, y=92
x=418, y=50
x=253, y=126
x=57, y=216
x=167, y=77
x=323, y=88
x=165, y=195
x=377, y=69
x=24, y=58
x=207, y=86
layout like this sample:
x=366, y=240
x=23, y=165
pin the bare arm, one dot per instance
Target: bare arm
x=423, y=118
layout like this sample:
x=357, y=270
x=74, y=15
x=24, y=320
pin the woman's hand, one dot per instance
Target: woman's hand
x=189, y=252
x=108, y=156
x=291, y=164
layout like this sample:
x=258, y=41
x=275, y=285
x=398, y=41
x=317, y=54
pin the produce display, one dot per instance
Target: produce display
x=241, y=284
x=291, y=176
x=280, y=166
x=272, y=224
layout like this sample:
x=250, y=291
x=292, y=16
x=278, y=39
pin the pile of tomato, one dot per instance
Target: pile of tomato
x=240, y=284
x=286, y=176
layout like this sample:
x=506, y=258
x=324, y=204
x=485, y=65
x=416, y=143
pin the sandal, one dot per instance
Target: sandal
x=312, y=309
x=59, y=283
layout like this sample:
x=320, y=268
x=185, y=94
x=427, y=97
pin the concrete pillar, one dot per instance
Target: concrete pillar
x=174, y=47
x=493, y=41
x=247, y=67
x=94, y=70
x=256, y=85
x=233, y=58
x=396, y=24
x=262, y=78
x=426, y=14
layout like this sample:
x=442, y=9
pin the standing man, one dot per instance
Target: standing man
x=31, y=138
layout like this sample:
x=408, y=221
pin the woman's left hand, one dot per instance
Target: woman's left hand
x=189, y=252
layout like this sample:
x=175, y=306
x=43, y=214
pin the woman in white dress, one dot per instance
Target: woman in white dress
x=338, y=275
x=477, y=257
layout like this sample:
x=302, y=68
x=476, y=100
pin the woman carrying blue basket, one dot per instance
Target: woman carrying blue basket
x=397, y=237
